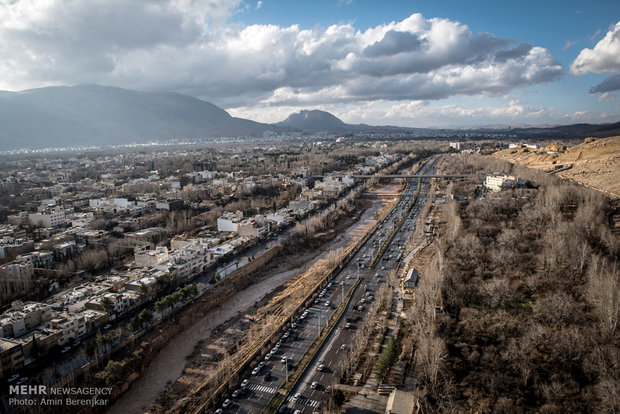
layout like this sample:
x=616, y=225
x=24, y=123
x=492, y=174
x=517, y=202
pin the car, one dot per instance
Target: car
x=13, y=377
x=296, y=396
x=261, y=365
x=297, y=412
x=226, y=403
x=268, y=356
x=107, y=326
x=236, y=393
x=343, y=346
x=348, y=325
x=22, y=380
x=278, y=344
x=328, y=303
x=219, y=411
x=383, y=267
x=360, y=308
x=284, y=359
x=314, y=385
x=330, y=284
x=293, y=325
x=362, y=300
x=321, y=367
x=255, y=371
x=321, y=295
x=245, y=383
x=66, y=349
x=286, y=334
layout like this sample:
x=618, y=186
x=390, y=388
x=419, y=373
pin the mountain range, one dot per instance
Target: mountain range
x=87, y=115
x=100, y=115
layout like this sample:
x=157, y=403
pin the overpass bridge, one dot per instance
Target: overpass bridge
x=417, y=176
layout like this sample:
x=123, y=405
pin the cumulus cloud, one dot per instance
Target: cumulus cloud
x=605, y=57
x=612, y=83
x=189, y=46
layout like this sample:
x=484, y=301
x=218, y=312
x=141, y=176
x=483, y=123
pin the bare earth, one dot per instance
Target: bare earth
x=169, y=364
x=595, y=163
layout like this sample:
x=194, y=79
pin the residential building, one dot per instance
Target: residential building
x=11, y=356
x=48, y=217
x=151, y=258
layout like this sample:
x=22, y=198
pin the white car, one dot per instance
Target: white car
x=321, y=367
x=284, y=359
x=314, y=385
x=255, y=371
x=226, y=403
x=245, y=383
x=296, y=396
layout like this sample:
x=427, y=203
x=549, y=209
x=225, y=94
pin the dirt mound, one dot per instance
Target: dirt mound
x=594, y=163
x=556, y=146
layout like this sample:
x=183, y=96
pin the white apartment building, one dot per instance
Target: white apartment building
x=48, y=217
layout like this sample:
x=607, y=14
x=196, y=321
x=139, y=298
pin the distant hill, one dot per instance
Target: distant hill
x=314, y=121
x=570, y=131
x=595, y=162
x=321, y=121
x=100, y=115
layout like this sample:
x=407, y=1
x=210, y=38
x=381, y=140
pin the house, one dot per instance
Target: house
x=498, y=182
x=11, y=356
x=229, y=222
x=151, y=258
x=411, y=279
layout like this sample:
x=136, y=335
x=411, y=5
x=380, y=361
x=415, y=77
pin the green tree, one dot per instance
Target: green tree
x=145, y=316
x=107, y=304
x=338, y=397
x=114, y=371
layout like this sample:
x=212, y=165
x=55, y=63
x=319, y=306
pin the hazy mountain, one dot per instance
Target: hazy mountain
x=314, y=121
x=570, y=131
x=99, y=115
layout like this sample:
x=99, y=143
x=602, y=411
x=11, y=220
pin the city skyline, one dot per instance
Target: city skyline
x=445, y=64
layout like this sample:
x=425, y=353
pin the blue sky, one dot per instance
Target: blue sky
x=429, y=64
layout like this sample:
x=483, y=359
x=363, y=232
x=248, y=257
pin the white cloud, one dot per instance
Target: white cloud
x=569, y=44
x=259, y=4
x=606, y=97
x=605, y=57
x=188, y=46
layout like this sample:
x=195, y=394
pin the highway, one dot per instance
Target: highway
x=258, y=389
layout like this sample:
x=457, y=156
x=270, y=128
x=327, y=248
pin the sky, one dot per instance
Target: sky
x=440, y=63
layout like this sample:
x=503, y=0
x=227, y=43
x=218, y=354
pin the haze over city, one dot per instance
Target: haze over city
x=404, y=63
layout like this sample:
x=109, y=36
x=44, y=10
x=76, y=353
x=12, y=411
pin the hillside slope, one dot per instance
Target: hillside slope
x=99, y=115
x=594, y=163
